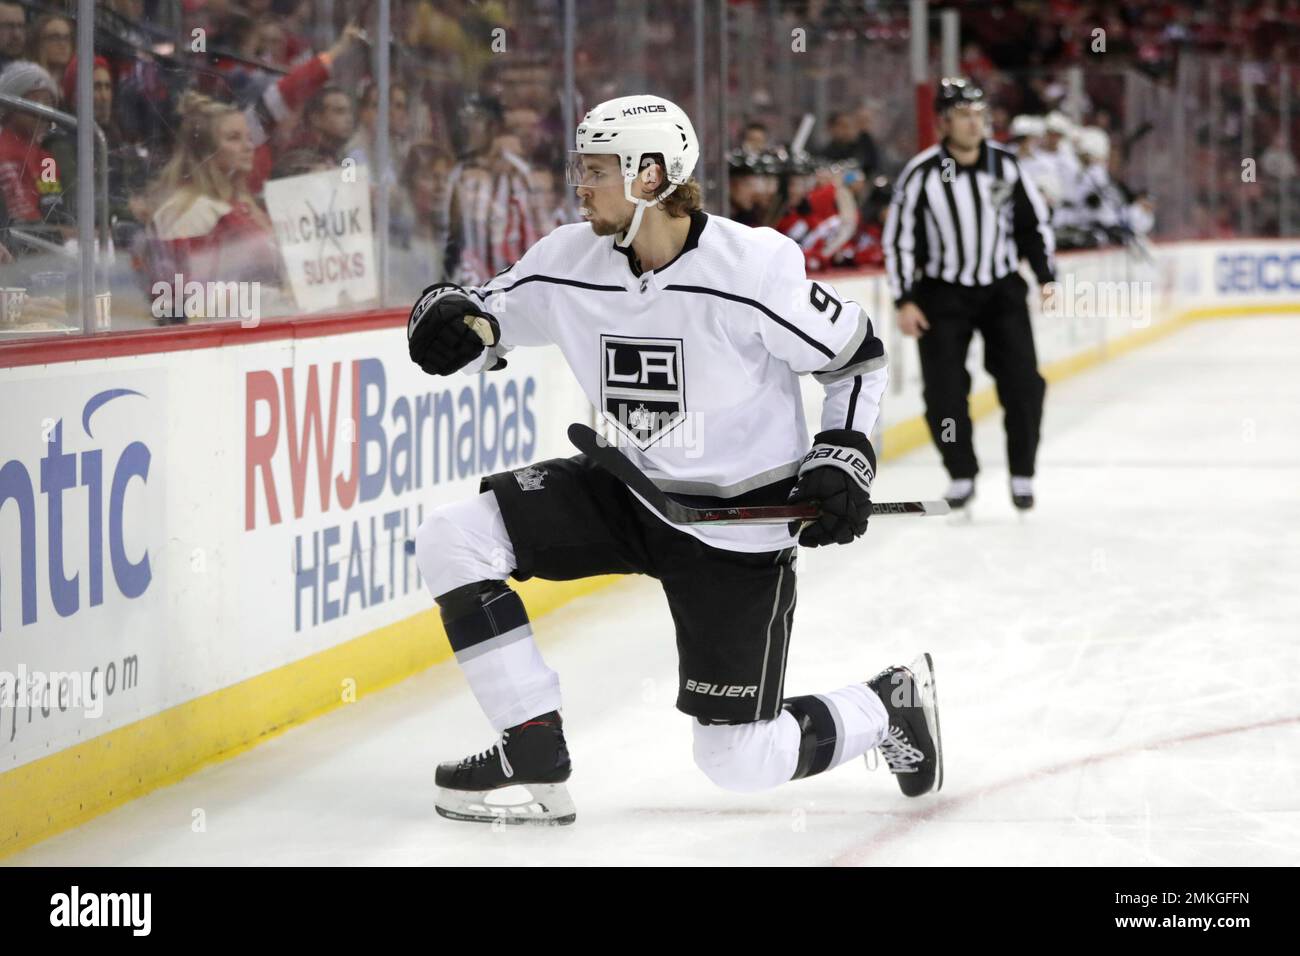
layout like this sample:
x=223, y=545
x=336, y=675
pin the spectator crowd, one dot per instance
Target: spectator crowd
x=204, y=102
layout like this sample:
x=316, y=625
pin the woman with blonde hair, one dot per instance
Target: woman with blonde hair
x=207, y=226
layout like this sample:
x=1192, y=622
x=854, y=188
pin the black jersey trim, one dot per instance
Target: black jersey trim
x=853, y=401
x=699, y=220
x=555, y=280
x=983, y=158
x=702, y=290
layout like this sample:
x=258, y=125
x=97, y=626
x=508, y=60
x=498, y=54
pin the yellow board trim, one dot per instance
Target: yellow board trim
x=65, y=789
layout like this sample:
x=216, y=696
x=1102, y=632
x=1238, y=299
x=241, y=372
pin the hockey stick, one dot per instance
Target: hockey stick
x=622, y=468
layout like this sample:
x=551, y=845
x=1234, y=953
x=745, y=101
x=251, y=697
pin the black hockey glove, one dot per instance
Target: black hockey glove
x=837, y=475
x=447, y=330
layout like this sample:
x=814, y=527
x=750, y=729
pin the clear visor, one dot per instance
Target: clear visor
x=592, y=169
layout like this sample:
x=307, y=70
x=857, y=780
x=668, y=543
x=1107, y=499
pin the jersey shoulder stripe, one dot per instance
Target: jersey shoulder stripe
x=753, y=303
x=555, y=280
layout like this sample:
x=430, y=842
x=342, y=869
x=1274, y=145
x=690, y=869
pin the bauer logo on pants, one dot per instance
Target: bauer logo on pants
x=641, y=386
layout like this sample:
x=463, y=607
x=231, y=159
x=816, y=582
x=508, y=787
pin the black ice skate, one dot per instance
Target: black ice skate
x=1022, y=492
x=531, y=756
x=960, y=492
x=912, y=748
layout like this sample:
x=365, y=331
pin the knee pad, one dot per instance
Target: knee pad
x=748, y=757
x=463, y=543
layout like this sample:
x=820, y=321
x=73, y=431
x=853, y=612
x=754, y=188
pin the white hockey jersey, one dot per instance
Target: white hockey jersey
x=694, y=366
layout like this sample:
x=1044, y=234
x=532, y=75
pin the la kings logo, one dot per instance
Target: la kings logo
x=641, y=386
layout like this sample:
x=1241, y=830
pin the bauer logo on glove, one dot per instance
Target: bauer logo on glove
x=836, y=475
x=851, y=460
x=447, y=330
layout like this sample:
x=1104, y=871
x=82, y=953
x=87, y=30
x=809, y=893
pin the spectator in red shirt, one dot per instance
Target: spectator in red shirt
x=29, y=177
x=207, y=226
x=282, y=99
x=822, y=217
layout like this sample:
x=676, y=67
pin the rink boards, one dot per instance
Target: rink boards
x=201, y=530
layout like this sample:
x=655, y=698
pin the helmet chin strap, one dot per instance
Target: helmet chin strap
x=642, y=205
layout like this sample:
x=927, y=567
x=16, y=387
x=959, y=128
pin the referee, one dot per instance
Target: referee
x=961, y=218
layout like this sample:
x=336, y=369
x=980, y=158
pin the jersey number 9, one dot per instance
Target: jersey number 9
x=821, y=299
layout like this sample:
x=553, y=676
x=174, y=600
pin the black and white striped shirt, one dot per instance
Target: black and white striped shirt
x=967, y=225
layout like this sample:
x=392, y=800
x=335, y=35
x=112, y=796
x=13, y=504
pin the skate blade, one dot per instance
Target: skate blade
x=923, y=673
x=960, y=516
x=534, y=805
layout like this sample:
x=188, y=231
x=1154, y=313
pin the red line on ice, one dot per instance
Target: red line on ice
x=856, y=855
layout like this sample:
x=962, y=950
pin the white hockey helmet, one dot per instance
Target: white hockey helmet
x=1024, y=125
x=1092, y=141
x=1057, y=122
x=634, y=128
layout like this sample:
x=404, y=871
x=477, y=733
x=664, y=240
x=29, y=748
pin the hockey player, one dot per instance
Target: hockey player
x=1027, y=134
x=1099, y=204
x=1055, y=152
x=664, y=312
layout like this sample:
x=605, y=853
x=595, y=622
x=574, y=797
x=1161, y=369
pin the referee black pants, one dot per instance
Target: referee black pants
x=1000, y=313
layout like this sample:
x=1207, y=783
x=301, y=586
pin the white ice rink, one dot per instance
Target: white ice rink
x=1119, y=676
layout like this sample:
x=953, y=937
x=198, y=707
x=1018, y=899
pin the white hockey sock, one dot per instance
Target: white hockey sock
x=493, y=642
x=812, y=735
x=510, y=679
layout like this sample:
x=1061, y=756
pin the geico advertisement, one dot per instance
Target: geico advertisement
x=1265, y=272
x=343, y=457
x=82, y=529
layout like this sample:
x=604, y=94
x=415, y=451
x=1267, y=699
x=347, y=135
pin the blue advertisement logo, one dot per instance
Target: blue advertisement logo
x=106, y=484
